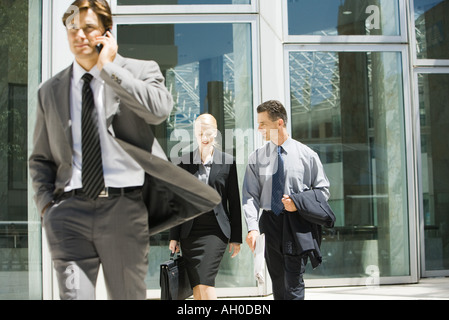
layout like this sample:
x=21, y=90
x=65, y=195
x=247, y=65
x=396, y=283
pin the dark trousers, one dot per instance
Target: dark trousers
x=113, y=231
x=286, y=271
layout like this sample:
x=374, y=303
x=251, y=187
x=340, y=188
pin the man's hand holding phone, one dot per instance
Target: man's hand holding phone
x=107, y=47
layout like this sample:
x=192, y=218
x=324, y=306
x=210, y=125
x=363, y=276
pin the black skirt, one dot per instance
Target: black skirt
x=203, y=250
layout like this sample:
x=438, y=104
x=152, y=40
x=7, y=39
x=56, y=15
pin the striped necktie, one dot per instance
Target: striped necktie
x=92, y=170
x=278, y=184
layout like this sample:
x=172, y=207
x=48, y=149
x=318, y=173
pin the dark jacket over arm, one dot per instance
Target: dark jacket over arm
x=313, y=207
x=302, y=229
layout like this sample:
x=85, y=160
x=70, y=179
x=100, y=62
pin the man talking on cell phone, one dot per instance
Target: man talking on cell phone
x=93, y=154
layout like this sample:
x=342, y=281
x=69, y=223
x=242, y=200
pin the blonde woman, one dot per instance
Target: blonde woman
x=204, y=240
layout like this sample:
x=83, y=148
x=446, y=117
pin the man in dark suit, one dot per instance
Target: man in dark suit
x=275, y=171
x=94, y=155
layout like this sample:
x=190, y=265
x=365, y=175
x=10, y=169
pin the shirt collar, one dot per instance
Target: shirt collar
x=197, y=158
x=286, y=146
x=78, y=72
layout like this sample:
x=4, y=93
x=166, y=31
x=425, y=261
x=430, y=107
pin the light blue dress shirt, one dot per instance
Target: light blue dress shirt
x=303, y=171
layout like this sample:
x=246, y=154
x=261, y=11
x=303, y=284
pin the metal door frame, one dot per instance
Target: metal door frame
x=421, y=224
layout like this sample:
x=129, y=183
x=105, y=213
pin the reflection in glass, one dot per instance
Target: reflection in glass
x=434, y=120
x=432, y=28
x=20, y=246
x=180, y=2
x=344, y=17
x=208, y=69
x=348, y=106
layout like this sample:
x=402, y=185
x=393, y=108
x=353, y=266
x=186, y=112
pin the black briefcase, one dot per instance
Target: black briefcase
x=174, y=280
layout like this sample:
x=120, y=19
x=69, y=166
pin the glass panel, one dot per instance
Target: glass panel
x=344, y=17
x=19, y=245
x=434, y=117
x=432, y=28
x=348, y=107
x=180, y=2
x=208, y=68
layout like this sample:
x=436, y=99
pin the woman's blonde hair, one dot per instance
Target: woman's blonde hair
x=208, y=120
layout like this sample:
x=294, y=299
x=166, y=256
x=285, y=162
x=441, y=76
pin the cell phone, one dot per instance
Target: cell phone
x=100, y=46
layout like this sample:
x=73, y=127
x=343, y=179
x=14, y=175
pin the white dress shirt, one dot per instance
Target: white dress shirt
x=203, y=168
x=120, y=169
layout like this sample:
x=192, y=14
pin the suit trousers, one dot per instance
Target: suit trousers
x=113, y=232
x=286, y=271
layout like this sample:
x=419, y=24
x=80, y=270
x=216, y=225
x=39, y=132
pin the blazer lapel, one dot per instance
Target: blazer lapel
x=61, y=92
x=217, y=165
x=193, y=165
x=62, y=102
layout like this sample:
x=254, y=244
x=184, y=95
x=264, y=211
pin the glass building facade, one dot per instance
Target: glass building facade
x=365, y=84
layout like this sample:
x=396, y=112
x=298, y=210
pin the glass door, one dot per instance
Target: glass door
x=208, y=69
x=433, y=98
x=348, y=103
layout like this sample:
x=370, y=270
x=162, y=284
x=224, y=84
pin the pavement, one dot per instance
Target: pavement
x=426, y=289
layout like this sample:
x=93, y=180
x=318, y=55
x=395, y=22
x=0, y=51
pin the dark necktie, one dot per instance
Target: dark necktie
x=92, y=170
x=278, y=184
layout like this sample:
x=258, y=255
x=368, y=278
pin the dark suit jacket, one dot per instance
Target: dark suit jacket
x=302, y=229
x=223, y=178
x=313, y=206
x=135, y=97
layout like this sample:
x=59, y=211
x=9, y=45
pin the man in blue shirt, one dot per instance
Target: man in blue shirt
x=280, y=168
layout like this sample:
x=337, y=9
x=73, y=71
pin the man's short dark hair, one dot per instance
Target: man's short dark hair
x=275, y=110
x=100, y=7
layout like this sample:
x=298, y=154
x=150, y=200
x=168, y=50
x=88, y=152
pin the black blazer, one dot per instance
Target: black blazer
x=314, y=207
x=222, y=178
x=302, y=229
